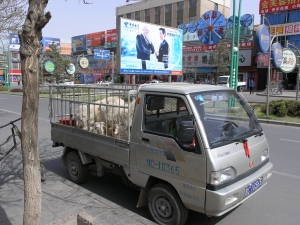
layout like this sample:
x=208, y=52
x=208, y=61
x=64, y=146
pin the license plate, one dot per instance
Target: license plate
x=253, y=187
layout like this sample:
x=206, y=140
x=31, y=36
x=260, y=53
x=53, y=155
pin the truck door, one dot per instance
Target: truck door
x=166, y=148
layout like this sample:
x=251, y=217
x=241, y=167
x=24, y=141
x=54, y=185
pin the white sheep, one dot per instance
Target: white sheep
x=81, y=115
x=112, y=115
x=99, y=128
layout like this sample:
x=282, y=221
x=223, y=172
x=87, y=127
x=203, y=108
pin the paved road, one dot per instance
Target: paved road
x=277, y=203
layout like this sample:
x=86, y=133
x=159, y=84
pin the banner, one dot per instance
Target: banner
x=78, y=43
x=47, y=41
x=149, y=48
x=96, y=39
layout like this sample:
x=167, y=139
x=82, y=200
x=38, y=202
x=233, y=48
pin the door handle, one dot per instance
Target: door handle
x=146, y=139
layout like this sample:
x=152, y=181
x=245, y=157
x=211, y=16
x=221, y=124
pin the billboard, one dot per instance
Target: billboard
x=14, y=42
x=47, y=41
x=78, y=43
x=149, y=49
x=96, y=39
x=111, y=37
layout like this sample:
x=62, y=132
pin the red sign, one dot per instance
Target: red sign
x=273, y=6
x=111, y=35
x=243, y=45
x=96, y=39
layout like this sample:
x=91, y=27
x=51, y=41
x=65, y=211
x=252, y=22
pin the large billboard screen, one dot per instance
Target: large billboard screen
x=78, y=43
x=149, y=49
x=47, y=41
x=97, y=39
x=14, y=42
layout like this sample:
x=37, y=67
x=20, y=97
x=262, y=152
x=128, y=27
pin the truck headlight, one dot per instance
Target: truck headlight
x=264, y=155
x=221, y=176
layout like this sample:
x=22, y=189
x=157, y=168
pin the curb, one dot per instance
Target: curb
x=275, y=122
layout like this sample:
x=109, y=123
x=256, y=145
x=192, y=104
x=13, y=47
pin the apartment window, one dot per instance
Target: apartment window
x=137, y=15
x=157, y=15
x=168, y=23
x=129, y=15
x=147, y=13
x=179, y=21
x=192, y=19
x=180, y=6
x=15, y=55
x=157, y=10
x=15, y=66
x=1, y=57
x=168, y=8
x=216, y=6
x=1, y=64
x=193, y=3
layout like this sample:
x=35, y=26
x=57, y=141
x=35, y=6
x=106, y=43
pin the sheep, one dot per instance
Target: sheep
x=112, y=115
x=99, y=128
x=81, y=115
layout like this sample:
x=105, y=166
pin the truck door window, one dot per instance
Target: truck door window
x=168, y=116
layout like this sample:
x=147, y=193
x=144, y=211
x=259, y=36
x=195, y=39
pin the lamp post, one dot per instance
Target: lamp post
x=269, y=67
x=297, y=80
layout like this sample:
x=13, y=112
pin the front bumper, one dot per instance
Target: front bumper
x=221, y=201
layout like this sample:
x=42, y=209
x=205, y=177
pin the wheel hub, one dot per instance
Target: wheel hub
x=164, y=208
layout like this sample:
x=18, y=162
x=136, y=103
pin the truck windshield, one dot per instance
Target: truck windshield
x=226, y=117
x=222, y=80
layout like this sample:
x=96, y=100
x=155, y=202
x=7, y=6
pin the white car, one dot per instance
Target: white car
x=154, y=82
x=103, y=83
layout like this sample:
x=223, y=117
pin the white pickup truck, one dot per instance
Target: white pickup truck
x=224, y=81
x=185, y=147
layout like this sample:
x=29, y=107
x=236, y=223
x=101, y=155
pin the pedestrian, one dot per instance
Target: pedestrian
x=252, y=85
x=286, y=83
x=18, y=82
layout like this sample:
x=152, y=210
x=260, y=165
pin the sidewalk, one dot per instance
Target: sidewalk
x=62, y=202
x=285, y=94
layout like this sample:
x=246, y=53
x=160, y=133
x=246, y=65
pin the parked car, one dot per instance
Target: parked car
x=103, y=83
x=154, y=82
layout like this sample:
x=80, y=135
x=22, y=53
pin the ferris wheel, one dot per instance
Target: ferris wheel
x=211, y=27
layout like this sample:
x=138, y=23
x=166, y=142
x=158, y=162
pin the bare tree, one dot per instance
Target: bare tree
x=30, y=50
x=12, y=16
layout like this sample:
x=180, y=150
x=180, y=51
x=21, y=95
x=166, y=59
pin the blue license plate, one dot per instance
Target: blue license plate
x=253, y=187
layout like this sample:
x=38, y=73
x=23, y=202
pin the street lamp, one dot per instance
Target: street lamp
x=297, y=80
x=269, y=67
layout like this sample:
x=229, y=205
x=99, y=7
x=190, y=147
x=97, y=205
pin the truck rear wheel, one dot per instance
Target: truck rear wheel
x=165, y=206
x=76, y=170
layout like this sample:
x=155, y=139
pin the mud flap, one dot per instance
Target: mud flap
x=142, y=198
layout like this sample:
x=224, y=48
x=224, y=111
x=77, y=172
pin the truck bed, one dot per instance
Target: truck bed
x=104, y=147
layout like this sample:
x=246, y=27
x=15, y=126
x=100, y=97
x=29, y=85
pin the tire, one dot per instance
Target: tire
x=240, y=88
x=165, y=206
x=76, y=170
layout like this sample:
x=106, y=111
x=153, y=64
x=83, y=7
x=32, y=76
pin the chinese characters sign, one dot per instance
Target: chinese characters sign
x=243, y=45
x=289, y=61
x=285, y=29
x=273, y=6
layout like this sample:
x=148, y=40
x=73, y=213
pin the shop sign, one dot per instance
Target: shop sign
x=83, y=62
x=70, y=69
x=289, y=61
x=49, y=67
x=277, y=55
x=274, y=6
x=263, y=38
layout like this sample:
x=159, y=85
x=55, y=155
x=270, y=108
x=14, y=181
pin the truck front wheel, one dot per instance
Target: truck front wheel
x=76, y=170
x=165, y=206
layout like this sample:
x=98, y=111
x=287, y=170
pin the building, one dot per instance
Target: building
x=284, y=19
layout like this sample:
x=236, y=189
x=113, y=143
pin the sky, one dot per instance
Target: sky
x=72, y=18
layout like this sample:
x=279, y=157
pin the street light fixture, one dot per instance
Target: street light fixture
x=297, y=80
x=269, y=67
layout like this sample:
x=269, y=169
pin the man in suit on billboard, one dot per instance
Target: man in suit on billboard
x=144, y=46
x=163, y=54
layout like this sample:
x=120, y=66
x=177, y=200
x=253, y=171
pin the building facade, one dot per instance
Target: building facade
x=284, y=19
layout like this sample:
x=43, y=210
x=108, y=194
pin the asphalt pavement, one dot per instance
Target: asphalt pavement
x=64, y=202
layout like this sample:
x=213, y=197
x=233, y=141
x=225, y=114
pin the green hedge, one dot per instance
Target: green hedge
x=3, y=88
x=283, y=108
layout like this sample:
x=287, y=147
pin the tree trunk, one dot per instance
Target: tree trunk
x=30, y=50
